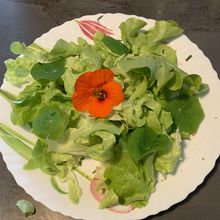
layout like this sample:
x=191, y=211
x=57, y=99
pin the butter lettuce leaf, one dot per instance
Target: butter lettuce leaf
x=163, y=30
x=144, y=141
x=92, y=137
x=129, y=30
x=187, y=113
x=122, y=170
x=19, y=69
x=167, y=162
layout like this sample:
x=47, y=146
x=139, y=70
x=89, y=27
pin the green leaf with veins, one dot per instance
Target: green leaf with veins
x=144, y=141
x=50, y=122
x=187, y=113
x=49, y=71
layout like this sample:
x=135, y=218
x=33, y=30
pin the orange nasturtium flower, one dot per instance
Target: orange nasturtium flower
x=97, y=92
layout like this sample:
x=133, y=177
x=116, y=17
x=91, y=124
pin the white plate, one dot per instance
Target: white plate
x=200, y=153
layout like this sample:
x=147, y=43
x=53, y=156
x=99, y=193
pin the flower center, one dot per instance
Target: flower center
x=100, y=94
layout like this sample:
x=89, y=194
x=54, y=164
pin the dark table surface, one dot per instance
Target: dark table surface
x=25, y=20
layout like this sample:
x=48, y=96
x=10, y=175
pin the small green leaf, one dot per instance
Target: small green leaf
x=191, y=84
x=17, y=145
x=144, y=141
x=49, y=71
x=110, y=199
x=203, y=89
x=64, y=49
x=75, y=191
x=115, y=45
x=17, y=48
x=43, y=159
x=30, y=165
x=26, y=207
x=130, y=29
x=187, y=113
x=49, y=123
x=56, y=186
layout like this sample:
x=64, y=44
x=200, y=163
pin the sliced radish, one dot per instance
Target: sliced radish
x=93, y=29
x=120, y=209
x=96, y=24
x=97, y=195
x=90, y=36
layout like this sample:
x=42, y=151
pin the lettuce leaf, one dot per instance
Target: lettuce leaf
x=50, y=122
x=19, y=69
x=110, y=199
x=64, y=49
x=129, y=30
x=122, y=171
x=94, y=137
x=43, y=159
x=102, y=150
x=167, y=162
x=135, y=112
x=187, y=113
x=144, y=141
x=163, y=30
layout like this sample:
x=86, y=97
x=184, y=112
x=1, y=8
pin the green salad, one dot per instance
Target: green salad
x=142, y=135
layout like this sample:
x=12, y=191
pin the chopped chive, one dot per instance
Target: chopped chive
x=99, y=18
x=163, y=51
x=188, y=58
x=83, y=173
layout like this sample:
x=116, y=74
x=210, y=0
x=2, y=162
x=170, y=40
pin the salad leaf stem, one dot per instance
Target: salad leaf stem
x=56, y=186
x=16, y=134
x=7, y=95
x=17, y=145
x=82, y=173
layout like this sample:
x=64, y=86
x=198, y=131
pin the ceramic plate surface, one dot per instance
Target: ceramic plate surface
x=199, y=154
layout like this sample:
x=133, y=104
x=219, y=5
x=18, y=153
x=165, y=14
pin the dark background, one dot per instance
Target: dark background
x=25, y=20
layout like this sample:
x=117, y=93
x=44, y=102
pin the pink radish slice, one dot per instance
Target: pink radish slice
x=120, y=209
x=89, y=28
x=96, y=24
x=97, y=195
x=86, y=32
x=94, y=28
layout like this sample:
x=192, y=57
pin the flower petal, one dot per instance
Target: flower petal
x=83, y=83
x=94, y=79
x=99, y=108
x=81, y=101
x=101, y=77
x=114, y=93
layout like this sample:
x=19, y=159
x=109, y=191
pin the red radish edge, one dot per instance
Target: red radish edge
x=97, y=195
x=95, y=23
x=94, y=28
x=120, y=209
x=86, y=32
